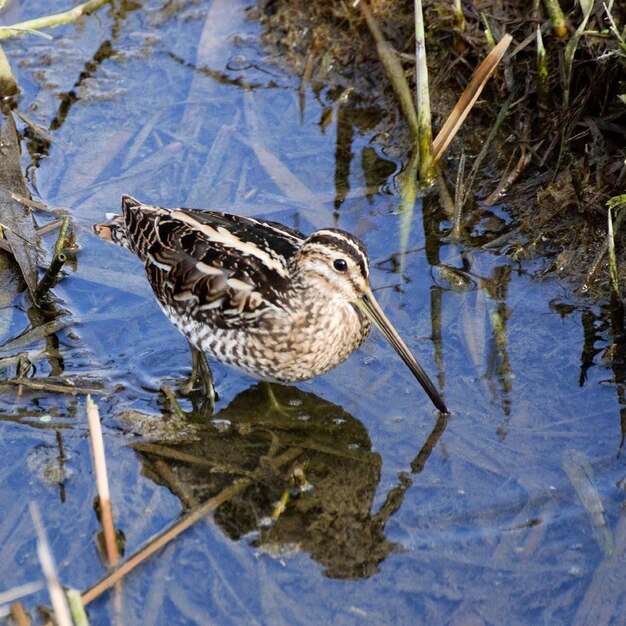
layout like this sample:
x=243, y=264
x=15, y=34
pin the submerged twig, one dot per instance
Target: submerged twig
x=578, y=470
x=11, y=595
x=34, y=334
x=42, y=383
x=603, y=601
x=164, y=452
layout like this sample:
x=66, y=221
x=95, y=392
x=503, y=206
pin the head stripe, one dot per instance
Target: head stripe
x=344, y=242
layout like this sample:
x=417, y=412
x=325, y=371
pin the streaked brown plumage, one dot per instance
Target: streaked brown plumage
x=255, y=294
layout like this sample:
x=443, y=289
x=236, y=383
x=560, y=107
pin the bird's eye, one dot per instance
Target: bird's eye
x=340, y=265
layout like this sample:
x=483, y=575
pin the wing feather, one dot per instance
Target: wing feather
x=224, y=269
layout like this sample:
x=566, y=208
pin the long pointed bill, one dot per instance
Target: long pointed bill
x=367, y=303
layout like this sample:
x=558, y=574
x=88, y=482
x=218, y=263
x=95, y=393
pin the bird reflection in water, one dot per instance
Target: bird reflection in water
x=332, y=520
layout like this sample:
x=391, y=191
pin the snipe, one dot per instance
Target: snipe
x=255, y=294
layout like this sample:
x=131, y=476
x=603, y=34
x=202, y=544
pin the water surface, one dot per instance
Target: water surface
x=486, y=516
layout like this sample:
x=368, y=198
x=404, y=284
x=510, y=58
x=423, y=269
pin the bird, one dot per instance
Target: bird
x=255, y=294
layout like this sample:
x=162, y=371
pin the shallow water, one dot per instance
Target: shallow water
x=510, y=510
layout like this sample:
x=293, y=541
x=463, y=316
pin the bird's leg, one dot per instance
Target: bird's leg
x=200, y=372
x=275, y=405
x=271, y=398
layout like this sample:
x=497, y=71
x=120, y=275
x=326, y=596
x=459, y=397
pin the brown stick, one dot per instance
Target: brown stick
x=183, y=524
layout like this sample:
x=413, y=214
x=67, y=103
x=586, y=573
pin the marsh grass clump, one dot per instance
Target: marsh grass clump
x=557, y=155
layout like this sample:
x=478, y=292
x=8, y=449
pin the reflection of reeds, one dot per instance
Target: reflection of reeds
x=57, y=597
x=580, y=473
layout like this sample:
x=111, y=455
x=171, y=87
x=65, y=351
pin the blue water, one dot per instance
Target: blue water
x=482, y=524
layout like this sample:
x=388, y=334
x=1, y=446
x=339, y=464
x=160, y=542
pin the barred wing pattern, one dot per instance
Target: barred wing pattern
x=223, y=269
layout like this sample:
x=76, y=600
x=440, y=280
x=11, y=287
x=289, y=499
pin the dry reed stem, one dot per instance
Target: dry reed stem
x=99, y=463
x=171, y=453
x=8, y=85
x=57, y=597
x=469, y=96
x=51, y=21
x=19, y=615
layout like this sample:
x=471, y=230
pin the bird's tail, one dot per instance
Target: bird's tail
x=114, y=229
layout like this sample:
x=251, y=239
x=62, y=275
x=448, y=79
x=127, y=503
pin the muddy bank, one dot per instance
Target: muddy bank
x=554, y=143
